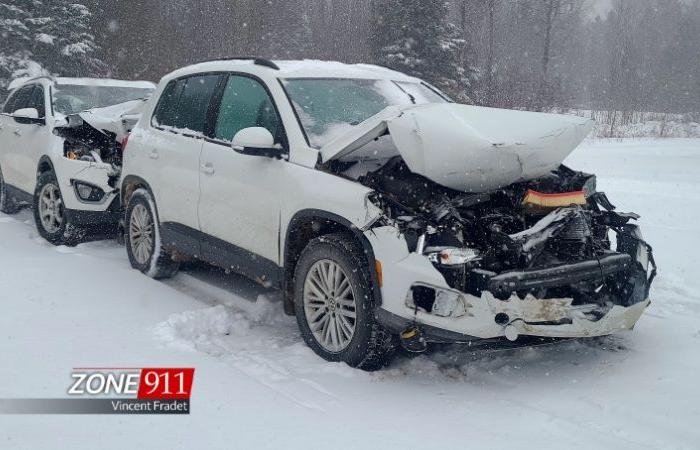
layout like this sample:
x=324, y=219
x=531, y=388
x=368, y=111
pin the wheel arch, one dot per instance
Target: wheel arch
x=129, y=185
x=309, y=224
x=44, y=165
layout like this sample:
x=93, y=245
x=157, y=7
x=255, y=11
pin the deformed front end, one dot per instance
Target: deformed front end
x=549, y=257
x=91, y=161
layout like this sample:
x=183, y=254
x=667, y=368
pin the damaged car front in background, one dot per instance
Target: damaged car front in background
x=483, y=233
x=92, y=152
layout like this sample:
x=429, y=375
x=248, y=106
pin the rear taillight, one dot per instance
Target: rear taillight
x=125, y=141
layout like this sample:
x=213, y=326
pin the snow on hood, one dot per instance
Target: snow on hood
x=469, y=148
x=118, y=119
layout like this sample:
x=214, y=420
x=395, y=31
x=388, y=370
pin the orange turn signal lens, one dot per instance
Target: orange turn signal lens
x=378, y=270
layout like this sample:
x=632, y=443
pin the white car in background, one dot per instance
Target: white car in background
x=383, y=211
x=60, y=152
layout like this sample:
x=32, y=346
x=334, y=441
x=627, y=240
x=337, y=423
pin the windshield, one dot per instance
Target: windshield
x=329, y=107
x=71, y=99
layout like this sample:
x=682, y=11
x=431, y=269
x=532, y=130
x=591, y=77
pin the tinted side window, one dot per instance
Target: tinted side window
x=184, y=103
x=246, y=103
x=194, y=102
x=167, y=104
x=37, y=100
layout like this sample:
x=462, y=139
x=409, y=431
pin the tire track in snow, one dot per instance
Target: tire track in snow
x=244, y=333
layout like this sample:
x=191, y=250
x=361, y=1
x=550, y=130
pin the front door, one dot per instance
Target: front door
x=33, y=139
x=241, y=195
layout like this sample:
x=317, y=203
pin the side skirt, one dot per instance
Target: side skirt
x=204, y=247
x=19, y=195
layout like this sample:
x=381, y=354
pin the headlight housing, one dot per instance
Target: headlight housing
x=87, y=192
x=452, y=256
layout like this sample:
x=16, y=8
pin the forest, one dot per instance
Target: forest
x=621, y=56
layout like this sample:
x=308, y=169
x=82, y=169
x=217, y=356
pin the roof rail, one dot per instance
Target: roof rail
x=259, y=61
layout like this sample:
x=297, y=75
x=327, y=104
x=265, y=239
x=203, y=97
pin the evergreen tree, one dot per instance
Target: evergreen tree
x=416, y=37
x=46, y=36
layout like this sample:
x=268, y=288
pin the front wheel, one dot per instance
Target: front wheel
x=49, y=212
x=334, y=303
x=142, y=238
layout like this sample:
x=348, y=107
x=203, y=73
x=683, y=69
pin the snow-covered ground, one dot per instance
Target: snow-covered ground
x=258, y=386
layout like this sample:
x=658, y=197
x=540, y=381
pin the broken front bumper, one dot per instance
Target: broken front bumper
x=94, y=177
x=487, y=316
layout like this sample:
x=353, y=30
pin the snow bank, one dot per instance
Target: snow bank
x=618, y=124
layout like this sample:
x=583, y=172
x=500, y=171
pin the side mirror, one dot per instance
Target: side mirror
x=28, y=116
x=256, y=141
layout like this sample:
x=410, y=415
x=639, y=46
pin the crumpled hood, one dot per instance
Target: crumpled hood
x=115, y=119
x=469, y=148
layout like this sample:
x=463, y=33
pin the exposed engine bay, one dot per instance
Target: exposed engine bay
x=549, y=238
x=85, y=143
x=97, y=136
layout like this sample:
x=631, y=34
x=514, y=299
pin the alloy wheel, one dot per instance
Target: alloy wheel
x=329, y=305
x=141, y=233
x=51, y=208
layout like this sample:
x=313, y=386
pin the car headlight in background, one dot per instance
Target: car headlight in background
x=87, y=192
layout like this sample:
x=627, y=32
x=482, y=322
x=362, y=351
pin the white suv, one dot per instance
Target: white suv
x=383, y=211
x=54, y=160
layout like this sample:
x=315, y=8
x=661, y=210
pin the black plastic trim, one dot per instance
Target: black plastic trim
x=176, y=236
x=310, y=214
x=18, y=194
x=256, y=60
x=561, y=275
x=432, y=334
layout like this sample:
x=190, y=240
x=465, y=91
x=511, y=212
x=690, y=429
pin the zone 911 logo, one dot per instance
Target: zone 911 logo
x=141, y=383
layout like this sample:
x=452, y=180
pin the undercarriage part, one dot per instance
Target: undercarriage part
x=413, y=341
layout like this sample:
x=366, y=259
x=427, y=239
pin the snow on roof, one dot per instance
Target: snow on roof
x=17, y=82
x=299, y=69
x=332, y=69
x=105, y=82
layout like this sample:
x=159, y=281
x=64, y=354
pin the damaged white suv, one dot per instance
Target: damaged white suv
x=385, y=212
x=60, y=152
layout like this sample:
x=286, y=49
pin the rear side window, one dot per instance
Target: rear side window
x=166, y=109
x=246, y=103
x=185, y=102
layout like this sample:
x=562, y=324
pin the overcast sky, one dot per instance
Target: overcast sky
x=601, y=6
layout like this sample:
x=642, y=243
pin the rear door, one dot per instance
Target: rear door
x=23, y=140
x=241, y=194
x=174, y=149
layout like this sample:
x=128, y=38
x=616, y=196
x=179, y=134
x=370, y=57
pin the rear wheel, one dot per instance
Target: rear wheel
x=7, y=203
x=49, y=212
x=142, y=238
x=334, y=303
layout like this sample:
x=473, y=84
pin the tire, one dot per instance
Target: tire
x=367, y=346
x=8, y=205
x=49, y=212
x=142, y=238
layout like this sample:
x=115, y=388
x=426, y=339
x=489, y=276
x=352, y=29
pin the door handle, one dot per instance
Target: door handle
x=17, y=132
x=153, y=154
x=208, y=168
